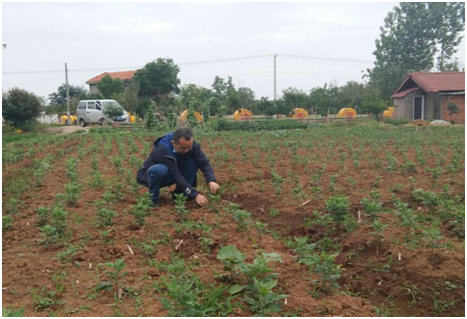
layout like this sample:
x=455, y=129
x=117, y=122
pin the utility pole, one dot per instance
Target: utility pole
x=275, y=55
x=3, y=47
x=68, y=121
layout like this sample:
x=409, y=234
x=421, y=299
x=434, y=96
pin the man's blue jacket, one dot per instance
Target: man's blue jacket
x=163, y=153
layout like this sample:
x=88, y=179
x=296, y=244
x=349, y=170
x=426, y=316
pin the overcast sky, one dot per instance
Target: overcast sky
x=125, y=36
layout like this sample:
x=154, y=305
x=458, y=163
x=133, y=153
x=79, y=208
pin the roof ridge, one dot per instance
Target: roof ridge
x=444, y=72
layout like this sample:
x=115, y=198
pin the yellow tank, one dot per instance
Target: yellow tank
x=243, y=115
x=64, y=118
x=348, y=111
x=184, y=115
x=389, y=113
x=132, y=117
x=298, y=113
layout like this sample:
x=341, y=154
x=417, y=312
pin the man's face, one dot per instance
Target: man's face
x=182, y=146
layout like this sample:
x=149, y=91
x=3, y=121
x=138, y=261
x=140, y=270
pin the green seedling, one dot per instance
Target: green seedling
x=371, y=207
x=43, y=215
x=141, y=209
x=261, y=228
x=432, y=237
x=180, y=200
x=7, y=222
x=303, y=248
x=48, y=299
x=324, y=265
x=230, y=258
x=116, y=273
x=6, y=312
x=105, y=217
x=206, y=244
x=274, y=212
x=14, y=205
x=72, y=192
x=338, y=206
x=412, y=292
x=377, y=228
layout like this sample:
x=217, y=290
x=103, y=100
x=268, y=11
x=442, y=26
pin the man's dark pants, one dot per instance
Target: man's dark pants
x=159, y=176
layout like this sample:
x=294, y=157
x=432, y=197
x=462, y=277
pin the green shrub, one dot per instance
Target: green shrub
x=338, y=206
x=397, y=122
x=225, y=125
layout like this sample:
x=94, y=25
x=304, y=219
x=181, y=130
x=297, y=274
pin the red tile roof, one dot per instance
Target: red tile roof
x=434, y=82
x=404, y=93
x=440, y=81
x=124, y=75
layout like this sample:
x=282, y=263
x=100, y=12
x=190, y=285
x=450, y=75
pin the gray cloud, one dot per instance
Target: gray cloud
x=113, y=35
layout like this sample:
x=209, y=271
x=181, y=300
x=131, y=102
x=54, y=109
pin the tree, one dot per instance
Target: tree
x=20, y=106
x=325, y=99
x=295, y=98
x=192, y=93
x=452, y=108
x=246, y=97
x=225, y=91
x=448, y=21
x=373, y=104
x=220, y=87
x=57, y=100
x=409, y=41
x=351, y=95
x=129, y=98
x=264, y=106
x=108, y=86
x=158, y=79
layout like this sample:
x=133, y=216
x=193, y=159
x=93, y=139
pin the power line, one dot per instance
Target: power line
x=201, y=62
x=307, y=57
x=137, y=67
x=41, y=80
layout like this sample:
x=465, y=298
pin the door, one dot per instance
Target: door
x=418, y=108
x=92, y=115
x=81, y=111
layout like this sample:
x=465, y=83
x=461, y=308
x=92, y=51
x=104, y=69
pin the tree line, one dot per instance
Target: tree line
x=415, y=37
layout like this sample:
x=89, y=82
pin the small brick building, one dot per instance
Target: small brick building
x=125, y=76
x=426, y=96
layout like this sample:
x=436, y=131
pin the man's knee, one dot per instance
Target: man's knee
x=159, y=170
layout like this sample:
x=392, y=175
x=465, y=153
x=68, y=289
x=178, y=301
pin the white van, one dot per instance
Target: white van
x=91, y=112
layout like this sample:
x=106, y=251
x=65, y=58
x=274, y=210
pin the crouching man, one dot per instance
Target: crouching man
x=175, y=159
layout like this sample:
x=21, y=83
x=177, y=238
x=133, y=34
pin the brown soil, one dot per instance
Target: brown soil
x=28, y=265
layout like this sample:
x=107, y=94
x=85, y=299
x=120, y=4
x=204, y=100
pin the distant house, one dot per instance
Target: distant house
x=426, y=96
x=125, y=76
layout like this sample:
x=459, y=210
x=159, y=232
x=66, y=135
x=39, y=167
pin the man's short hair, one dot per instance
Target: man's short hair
x=184, y=132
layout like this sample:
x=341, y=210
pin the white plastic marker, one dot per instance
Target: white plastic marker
x=359, y=215
x=181, y=241
x=400, y=256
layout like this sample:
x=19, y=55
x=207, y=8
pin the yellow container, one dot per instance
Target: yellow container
x=132, y=117
x=64, y=118
x=389, y=113
x=346, y=112
x=184, y=115
x=298, y=113
x=243, y=115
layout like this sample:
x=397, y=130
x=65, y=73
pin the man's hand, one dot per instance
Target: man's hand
x=201, y=200
x=213, y=187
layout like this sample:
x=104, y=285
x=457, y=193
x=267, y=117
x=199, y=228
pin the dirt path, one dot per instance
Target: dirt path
x=66, y=129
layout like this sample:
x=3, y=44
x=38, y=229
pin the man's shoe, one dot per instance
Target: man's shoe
x=154, y=203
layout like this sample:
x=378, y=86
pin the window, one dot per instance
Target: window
x=91, y=105
x=112, y=103
x=82, y=105
x=98, y=107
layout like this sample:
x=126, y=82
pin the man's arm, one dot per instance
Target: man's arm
x=204, y=164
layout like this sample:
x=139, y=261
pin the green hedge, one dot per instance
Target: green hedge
x=224, y=125
x=397, y=122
